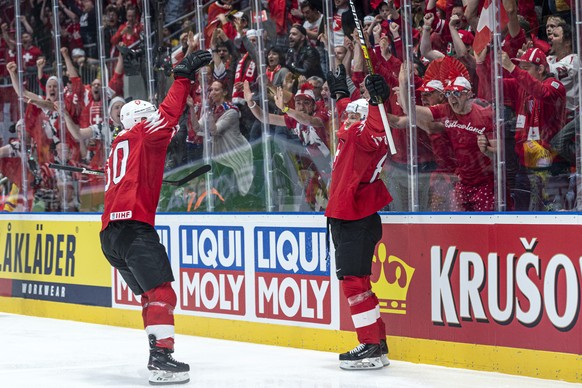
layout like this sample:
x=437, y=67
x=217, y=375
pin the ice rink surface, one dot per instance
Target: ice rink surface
x=50, y=353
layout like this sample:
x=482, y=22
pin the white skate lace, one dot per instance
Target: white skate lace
x=357, y=348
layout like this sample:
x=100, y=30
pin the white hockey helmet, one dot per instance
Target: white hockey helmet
x=134, y=112
x=359, y=106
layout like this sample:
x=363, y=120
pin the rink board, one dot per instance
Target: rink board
x=487, y=292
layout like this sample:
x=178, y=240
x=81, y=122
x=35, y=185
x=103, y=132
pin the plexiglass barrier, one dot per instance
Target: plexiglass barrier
x=483, y=109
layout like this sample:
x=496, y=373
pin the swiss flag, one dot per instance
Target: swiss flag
x=485, y=26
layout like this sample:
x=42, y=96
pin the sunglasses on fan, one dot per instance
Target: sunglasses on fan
x=455, y=93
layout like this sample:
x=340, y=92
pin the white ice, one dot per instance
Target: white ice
x=50, y=353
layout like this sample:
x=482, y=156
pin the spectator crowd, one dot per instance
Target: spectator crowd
x=263, y=113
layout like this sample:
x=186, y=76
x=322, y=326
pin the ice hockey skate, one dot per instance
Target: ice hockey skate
x=362, y=357
x=163, y=368
x=384, y=350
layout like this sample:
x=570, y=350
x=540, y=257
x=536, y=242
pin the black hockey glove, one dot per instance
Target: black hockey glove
x=338, y=83
x=378, y=89
x=191, y=63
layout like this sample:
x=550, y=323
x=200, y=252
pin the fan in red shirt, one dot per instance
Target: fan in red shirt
x=539, y=101
x=246, y=68
x=30, y=53
x=217, y=18
x=129, y=241
x=42, y=121
x=309, y=127
x=129, y=32
x=456, y=147
x=356, y=195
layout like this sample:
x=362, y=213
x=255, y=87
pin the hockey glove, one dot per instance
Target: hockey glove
x=378, y=89
x=191, y=63
x=338, y=84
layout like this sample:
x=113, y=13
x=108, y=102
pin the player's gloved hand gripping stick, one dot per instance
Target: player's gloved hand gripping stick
x=378, y=88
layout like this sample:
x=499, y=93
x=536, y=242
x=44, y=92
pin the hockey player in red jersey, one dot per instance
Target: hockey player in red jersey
x=134, y=172
x=356, y=195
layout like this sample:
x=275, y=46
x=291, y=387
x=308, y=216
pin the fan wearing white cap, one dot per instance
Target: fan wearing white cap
x=306, y=124
x=368, y=20
x=539, y=102
x=458, y=143
x=79, y=59
x=129, y=241
x=432, y=92
x=45, y=131
x=95, y=131
x=303, y=120
x=89, y=129
x=77, y=52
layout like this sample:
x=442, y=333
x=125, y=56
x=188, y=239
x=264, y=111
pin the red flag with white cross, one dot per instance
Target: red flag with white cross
x=485, y=27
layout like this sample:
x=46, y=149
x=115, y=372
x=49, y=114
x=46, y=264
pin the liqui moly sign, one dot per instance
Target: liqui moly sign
x=292, y=274
x=212, y=277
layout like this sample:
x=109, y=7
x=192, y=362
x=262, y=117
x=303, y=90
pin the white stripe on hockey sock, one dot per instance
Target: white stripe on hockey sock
x=366, y=318
x=160, y=331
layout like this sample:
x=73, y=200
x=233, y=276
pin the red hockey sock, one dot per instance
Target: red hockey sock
x=158, y=314
x=363, y=307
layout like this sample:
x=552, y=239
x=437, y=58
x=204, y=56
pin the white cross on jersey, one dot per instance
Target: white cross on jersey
x=97, y=119
x=27, y=57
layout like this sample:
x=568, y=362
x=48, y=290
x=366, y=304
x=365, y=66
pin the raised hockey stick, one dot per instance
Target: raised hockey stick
x=371, y=71
x=178, y=182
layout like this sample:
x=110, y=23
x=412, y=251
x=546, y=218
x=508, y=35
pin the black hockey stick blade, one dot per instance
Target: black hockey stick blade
x=82, y=170
x=194, y=174
x=179, y=182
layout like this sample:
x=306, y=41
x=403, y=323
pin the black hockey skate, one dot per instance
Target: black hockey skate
x=362, y=357
x=384, y=350
x=163, y=368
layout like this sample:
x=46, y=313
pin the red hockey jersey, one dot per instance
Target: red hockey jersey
x=356, y=188
x=135, y=167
